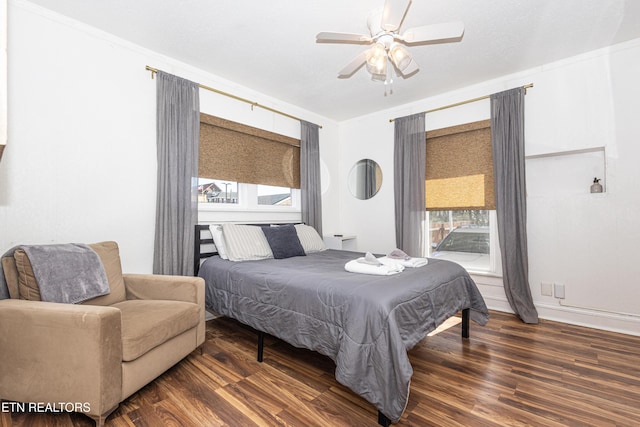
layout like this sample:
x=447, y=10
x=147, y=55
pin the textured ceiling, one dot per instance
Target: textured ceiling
x=270, y=47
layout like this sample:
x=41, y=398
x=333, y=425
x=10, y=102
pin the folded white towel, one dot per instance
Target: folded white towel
x=369, y=258
x=411, y=262
x=356, y=266
x=390, y=262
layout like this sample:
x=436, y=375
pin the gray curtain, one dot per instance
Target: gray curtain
x=178, y=135
x=410, y=151
x=507, y=139
x=310, y=188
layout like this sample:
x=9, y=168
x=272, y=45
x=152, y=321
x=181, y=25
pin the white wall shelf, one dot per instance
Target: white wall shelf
x=341, y=242
x=566, y=153
x=563, y=173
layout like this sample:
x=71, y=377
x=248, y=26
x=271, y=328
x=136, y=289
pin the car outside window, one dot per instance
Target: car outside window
x=467, y=237
x=464, y=239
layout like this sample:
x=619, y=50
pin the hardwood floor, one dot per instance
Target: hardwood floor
x=506, y=374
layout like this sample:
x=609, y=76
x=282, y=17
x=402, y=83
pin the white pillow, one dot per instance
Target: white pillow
x=218, y=240
x=245, y=242
x=310, y=239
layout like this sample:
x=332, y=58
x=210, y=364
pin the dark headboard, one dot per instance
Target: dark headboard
x=203, y=238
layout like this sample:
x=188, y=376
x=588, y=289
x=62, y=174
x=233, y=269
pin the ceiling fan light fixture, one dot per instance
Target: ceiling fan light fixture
x=377, y=60
x=379, y=70
x=400, y=57
x=379, y=77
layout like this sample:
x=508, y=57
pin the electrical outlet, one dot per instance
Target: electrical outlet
x=558, y=290
x=546, y=289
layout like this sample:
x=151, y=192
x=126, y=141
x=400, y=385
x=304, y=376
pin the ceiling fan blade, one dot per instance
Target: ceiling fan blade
x=393, y=14
x=447, y=32
x=329, y=37
x=353, y=66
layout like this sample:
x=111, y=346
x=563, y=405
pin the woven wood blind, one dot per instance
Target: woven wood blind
x=460, y=168
x=236, y=152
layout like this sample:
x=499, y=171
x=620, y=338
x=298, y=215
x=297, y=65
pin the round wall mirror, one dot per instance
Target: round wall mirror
x=365, y=179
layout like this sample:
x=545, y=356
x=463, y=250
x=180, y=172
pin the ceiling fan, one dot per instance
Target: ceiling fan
x=388, y=53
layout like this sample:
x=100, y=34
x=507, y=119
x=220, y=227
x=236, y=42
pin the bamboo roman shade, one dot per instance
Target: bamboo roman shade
x=459, y=171
x=236, y=152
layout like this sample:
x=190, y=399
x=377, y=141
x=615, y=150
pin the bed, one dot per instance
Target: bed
x=365, y=323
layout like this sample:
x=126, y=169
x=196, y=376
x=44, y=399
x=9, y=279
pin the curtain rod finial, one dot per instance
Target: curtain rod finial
x=153, y=71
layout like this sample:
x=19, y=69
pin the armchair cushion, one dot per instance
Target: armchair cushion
x=110, y=255
x=149, y=323
x=159, y=286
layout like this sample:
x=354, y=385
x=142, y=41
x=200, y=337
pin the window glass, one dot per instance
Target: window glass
x=274, y=196
x=462, y=236
x=217, y=191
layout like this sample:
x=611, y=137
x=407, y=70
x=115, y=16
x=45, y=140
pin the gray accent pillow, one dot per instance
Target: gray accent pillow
x=284, y=241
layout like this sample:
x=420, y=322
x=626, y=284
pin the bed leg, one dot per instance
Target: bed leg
x=260, y=345
x=383, y=420
x=465, y=323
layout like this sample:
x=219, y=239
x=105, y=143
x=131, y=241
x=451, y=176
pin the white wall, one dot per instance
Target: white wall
x=3, y=75
x=80, y=165
x=587, y=242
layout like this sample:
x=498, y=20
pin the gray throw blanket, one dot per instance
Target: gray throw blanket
x=67, y=273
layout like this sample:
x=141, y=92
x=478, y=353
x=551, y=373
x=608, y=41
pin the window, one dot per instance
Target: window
x=465, y=237
x=217, y=191
x=460, y=203
x=216, y=194
x=246, y=169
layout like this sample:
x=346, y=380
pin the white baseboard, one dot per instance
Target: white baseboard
x=576, y=316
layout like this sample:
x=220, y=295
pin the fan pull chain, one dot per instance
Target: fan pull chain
x=388, y=82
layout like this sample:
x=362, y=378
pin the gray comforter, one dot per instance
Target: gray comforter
x=365, y=323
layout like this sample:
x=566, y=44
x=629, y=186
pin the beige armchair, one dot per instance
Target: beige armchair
x=89, y=357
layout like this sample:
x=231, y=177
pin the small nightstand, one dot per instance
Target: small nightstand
x=342, y=242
